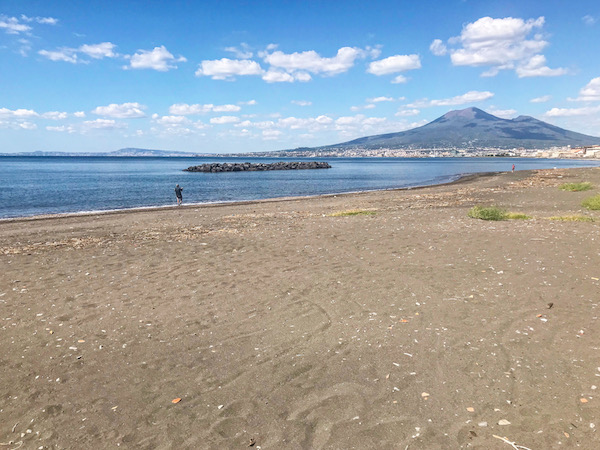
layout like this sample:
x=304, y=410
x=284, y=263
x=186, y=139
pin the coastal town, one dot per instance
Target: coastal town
x=588, y=152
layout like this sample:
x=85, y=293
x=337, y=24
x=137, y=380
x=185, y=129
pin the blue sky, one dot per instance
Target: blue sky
x=238, y=76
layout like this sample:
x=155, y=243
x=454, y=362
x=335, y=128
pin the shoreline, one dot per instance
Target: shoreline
x=459, y=179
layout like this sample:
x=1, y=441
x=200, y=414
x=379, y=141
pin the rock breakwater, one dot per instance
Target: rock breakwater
x=255, y=167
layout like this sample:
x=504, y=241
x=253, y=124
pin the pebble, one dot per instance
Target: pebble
x=503, y=422
x=482, y=424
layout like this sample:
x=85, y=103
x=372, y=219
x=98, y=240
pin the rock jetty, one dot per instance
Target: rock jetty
x=255, y=167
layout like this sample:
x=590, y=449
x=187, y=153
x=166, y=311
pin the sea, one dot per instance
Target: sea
x=31, y=186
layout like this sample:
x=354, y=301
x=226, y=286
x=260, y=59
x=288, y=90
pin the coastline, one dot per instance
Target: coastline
x=281, y=323
x=460, y=178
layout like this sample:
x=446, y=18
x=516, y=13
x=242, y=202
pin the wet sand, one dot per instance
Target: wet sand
x=281, y=326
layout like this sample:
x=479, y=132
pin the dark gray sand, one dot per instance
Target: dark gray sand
x=280, y=326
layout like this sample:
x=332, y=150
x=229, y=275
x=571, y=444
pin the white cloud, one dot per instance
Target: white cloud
x=570, y=112
x=228, y=69
x=589, y=20
x=241, y=52
x=536, y=67
x=40, y=20
x=501, y=44
x=99, y=51
x=224, y=120
x=249, y=103
x=590, y=92
x=63, y=129
x=123, y=111
x=157, y=59
x=170, y=120
x=380, y=99
x=438, y=48
x=310, y=61
x=301, y=102
x=183, y=109
x=102, y=124
x=95, y=51
x=12, y=25
x=271, y=134
x=6, y=113
x=394, y=64
x=66, y=55
x=55, y=115
x=400, y=79
x=407, y=112
x=278, y=76
x=503, y=113
x=542, y=99
x=469, y=97
x=79, y=114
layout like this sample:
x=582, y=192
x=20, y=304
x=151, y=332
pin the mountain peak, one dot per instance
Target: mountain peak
x=468, y=114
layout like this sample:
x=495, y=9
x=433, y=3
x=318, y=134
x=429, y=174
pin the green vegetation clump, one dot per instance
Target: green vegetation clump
x=572, y=218
x=576, y=187
x=353, y=212
x=517, y=216
x=592, y=202
x=487, y=213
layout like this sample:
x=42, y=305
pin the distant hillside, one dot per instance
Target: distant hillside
x=124, y=152
x=474, y=128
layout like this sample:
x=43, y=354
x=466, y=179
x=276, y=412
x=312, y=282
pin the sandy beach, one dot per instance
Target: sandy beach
x=281, y=325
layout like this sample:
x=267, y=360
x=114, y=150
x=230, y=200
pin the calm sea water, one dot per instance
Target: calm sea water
x=44, y=185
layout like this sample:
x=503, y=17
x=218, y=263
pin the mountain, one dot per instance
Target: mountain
x=124, y=152
x=474, y=128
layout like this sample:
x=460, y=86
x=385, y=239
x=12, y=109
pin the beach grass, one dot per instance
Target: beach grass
x=353, y=212
x=495, y=213
x=487, y=213
x=574, y=218
x=592, y=203
x=576, y=187
x=517, y=216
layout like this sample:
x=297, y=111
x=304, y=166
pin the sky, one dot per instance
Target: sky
x=216, y=76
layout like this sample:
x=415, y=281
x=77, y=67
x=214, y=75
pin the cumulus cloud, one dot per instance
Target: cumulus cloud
x=241, y=52
x=311, y=62
x=122, y=111
x=71, y=55
x=14, y=25
x=102, y=124
x=224, y=120
x=536, y=67
x=407, y=112
x=62, y=128
x=6, y=113
x=55, y=115
x=501, y=44
x=159, y=59
x=590, y=92
x=183, y=109
x=571, y=112
x=228, y=69
x=542, y=99
x=400, y=79
x=394, y=64
x=99, y=51
x=503, y=113
x=589, y=20
x=170, y=120
x=469, y=97
x=438, y=48
x=380, y=99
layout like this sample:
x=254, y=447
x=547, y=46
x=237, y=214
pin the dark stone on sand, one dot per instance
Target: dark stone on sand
x=255, y=167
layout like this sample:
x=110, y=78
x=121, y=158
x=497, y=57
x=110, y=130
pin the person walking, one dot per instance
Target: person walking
x=179, y=195
x=513, y=168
